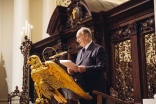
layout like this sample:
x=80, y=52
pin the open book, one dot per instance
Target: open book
x=69, y=64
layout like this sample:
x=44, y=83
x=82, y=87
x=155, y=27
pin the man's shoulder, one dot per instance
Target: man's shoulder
x=96, y=45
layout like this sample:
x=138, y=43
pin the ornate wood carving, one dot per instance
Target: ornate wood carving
x=25, y=49
x=13, y=94
x=124, y=32
x=147, y=25
x=57, y=21
x=76, y=13
x=123, y=67
x=150, y=50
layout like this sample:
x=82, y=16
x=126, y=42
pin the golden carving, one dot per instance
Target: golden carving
x=150, y=50
x=73, y=13
x=50, y=77
x=64, y=3
x=123, y=67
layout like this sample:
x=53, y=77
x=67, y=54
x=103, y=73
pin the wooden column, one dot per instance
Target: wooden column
x=135, y=67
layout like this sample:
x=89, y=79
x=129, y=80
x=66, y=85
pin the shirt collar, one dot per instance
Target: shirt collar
x=86, y=47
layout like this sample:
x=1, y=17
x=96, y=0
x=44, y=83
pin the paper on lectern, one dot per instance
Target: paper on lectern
x=69, y=64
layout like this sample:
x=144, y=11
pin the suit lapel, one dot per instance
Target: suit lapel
x=78, y=57
x=84, y=56
x=87, y=52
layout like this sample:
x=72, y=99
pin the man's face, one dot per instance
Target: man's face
x=82, y=39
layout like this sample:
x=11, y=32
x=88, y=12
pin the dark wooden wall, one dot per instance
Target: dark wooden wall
x=126, y=24
x=131, y=22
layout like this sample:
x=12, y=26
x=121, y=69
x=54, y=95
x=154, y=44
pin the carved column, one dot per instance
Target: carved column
x=25, y=49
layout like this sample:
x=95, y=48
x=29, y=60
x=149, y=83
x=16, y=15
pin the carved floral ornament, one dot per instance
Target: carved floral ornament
x=124, y=32
x=147, y=24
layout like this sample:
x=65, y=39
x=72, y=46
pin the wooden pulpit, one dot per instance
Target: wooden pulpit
x=71, y=97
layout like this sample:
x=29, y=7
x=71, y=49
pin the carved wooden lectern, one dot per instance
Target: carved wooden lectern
x=71, y=97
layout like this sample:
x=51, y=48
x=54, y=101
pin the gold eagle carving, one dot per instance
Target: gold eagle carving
x=49, y=78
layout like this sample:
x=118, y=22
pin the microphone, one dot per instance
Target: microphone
x=69, y=48
x=58, y=55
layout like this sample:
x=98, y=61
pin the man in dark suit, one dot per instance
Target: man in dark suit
x=92, y=64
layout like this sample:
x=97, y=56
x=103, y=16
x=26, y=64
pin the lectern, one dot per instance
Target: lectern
x=71, y=97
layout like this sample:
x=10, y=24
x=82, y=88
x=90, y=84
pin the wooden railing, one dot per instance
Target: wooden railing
x=111, y=98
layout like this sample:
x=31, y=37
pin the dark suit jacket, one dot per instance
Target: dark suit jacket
x=95, y=60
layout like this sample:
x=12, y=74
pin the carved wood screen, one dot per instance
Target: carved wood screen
x=134, y=49
x=149, y=44
x=123, y=61
x=123, y=66
x=150, y=52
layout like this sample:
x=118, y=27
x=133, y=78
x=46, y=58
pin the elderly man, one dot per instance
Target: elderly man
x=92, y=64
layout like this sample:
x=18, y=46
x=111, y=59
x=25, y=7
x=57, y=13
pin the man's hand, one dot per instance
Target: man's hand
x=70, y=71
x=81, y=68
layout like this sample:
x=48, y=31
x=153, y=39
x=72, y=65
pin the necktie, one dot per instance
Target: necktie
x=83, y=51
